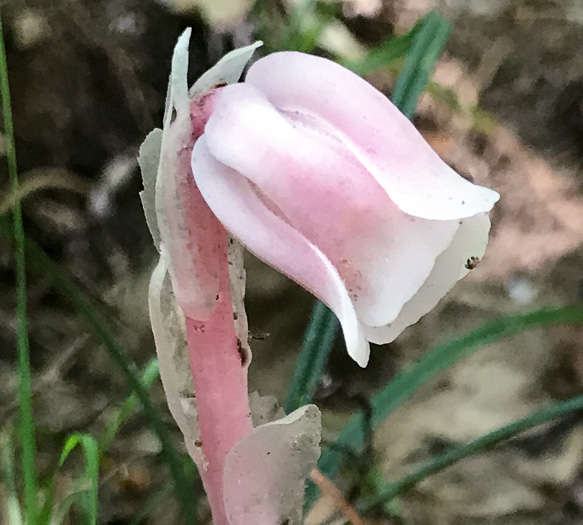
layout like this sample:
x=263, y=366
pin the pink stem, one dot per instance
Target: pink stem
x=220, y=382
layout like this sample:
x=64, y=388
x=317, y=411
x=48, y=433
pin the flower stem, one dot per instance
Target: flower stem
x=219, y=372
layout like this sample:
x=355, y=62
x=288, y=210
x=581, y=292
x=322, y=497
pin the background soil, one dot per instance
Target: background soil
x=88, y=81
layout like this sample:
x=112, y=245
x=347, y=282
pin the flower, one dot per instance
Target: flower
x=319, y=175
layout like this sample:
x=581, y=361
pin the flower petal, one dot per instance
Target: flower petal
x=383, y=139
x=322, y=190
x=450, y=266
x=237, y=204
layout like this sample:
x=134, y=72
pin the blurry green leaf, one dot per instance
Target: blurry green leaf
x=426, y=49
x=305, y=24
x=444, y=94
x=149, y=375
x=392, y=49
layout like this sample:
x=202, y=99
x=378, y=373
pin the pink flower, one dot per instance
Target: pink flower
x=319, y=175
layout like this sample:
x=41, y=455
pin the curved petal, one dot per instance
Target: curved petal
x=450, y=266
x=382, y=139
x=322, y=190
x=237, y=204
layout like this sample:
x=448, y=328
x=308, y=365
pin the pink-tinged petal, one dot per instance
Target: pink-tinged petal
x=244, y=213
x=322, y=190
x=383, y=139
x=450, y=266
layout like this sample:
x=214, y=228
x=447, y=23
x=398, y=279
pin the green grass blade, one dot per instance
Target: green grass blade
x=101, y=329
x=7, y=470
x=91, y=451
x=405, y=384
x=27, y=430
x=476, y=446
x=149, y=375
x=392, y=49
x=318, y=341
x=426, y=49
x=92, y=456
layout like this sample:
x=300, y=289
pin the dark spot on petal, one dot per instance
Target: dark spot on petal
x=472, y=262
x=242, y=352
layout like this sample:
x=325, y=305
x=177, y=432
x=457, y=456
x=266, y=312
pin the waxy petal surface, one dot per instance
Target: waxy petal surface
x=320, y=189
x=241, y=209
x=383, y=139
x=470, y=241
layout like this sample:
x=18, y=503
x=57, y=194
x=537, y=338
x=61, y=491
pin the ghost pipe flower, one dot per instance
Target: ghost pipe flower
x=319, y=175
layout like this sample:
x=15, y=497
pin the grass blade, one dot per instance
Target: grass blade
x=353, y=436
x=318, y=341
x=476, y=446
x=27, y=430
x=13, y=511
x=102, y=331
x=91, y=451
x=426, y=49
x=394, y=48
x=149, y=375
